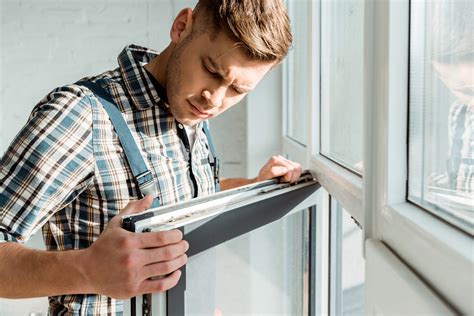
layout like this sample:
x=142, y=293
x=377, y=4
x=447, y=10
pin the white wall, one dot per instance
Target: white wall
x=264, y=121
x=49, y=43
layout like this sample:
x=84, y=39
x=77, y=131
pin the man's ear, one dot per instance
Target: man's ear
x=182, y=25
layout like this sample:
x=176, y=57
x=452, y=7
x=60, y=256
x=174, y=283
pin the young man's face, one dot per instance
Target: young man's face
x=206, y=77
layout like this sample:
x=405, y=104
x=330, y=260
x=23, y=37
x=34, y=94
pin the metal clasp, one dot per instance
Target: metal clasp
x=146, y=184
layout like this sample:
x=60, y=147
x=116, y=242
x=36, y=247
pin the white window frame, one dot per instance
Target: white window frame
x=290, y=147
x=339, y=182
x=440, y=255
x=407, y=249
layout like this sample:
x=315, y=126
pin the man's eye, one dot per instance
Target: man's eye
x=211, y=72
x=215, y=74
x=237, y=90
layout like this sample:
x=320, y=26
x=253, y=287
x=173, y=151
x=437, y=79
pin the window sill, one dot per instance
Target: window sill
x=438, y=252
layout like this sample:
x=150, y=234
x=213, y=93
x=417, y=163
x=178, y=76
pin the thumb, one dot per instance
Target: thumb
x=137, y=206
x=131, y=208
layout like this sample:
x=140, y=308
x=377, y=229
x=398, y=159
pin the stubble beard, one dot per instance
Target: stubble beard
x=177, y=107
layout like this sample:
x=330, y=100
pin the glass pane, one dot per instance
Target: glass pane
x=297, y=72
x=263, y=272
x=441, y=130
x=342, y=39
x=347, y=264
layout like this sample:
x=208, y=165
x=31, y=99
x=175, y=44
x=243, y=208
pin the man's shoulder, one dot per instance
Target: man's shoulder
x=68, y=103
x=76, y=97
x=65, y=98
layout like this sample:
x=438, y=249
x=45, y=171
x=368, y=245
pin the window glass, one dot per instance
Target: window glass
x=264, y=272
x=441, y=129
x=296, y=72
x=342, y=39
x=347, y=268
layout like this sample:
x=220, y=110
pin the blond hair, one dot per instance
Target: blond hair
x=260, y=27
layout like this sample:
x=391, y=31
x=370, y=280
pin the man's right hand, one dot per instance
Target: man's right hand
x=120, y=263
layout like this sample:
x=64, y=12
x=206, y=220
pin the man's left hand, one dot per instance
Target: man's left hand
x=278, y=166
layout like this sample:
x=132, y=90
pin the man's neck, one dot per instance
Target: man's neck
x=157, y=67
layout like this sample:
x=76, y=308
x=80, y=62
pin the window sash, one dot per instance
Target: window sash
x=342, y=184
x=229, y=225
x=290, y=90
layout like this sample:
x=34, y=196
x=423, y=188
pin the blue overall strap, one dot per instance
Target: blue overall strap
x=213, y=161
x=142, y=175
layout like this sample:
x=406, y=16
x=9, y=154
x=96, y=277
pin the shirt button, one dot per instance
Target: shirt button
x=180, y=126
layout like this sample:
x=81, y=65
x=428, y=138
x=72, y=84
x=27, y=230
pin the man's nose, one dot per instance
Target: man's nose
x=215, y=97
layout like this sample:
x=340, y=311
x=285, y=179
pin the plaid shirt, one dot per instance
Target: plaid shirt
x=461, y=148
x=66, y=171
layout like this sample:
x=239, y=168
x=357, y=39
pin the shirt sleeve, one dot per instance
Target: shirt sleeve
x=48, y=163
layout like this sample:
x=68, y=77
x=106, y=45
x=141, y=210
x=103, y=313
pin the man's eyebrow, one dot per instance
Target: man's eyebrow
x=218, y=69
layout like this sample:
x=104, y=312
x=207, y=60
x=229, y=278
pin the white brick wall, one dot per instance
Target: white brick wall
x=50, y=43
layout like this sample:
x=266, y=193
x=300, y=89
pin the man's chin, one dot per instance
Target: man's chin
x=186, y=119
x=189, y=122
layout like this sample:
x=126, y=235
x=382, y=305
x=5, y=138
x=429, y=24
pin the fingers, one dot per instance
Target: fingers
x=280, y=164
x=159, y=239
x=163, y=268
x=287, y=177
x=160, y=285
x=294, y=171
x=278, y=171
x=165, y=253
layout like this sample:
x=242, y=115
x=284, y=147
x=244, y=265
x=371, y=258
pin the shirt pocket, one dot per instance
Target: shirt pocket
x=172, y=177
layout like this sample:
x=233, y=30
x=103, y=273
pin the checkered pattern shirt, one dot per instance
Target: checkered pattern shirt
x=66, y=172
x=461, y=148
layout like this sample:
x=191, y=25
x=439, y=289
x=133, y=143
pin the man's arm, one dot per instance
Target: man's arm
x=231, y=183
x=50, y=161
x=119, y=264
x=27, y=272
x=276, y=166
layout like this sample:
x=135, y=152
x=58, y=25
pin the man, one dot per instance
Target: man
x=453, y=63
x=66, y=172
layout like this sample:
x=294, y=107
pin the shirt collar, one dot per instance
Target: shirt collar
x=131, y=61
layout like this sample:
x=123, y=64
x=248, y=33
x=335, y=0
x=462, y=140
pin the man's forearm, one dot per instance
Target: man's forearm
x=28, y=272
x=119, y=264
x=231, y=183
